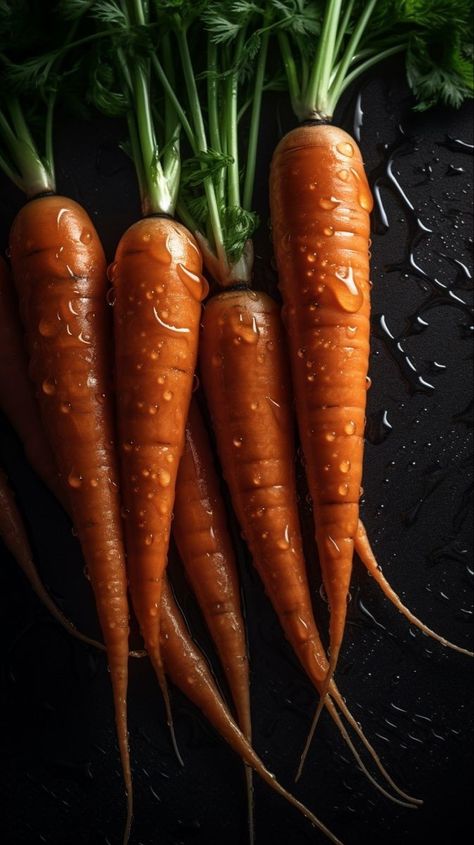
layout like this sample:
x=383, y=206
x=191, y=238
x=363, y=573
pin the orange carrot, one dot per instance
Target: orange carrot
x=188, y=669
x=59, y=270
x=246, y=380
x=158, y=290
x=13, y=534
x=17, y=400
x=205, y=547
x=320, y=204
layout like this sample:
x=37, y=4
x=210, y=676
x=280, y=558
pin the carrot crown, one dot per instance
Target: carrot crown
x=327, y=46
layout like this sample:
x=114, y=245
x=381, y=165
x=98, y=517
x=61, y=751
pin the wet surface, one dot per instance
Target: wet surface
x=60, y=778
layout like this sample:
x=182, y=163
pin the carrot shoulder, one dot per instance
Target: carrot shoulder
x=59, y=271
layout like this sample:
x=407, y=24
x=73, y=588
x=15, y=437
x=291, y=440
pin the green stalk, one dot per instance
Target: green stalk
x=351, y=49
x=172, y=158
x=291, y=72
x=343, y=27
x=201, y=142
x=232, y=89
x=373, y=60
x=170, y=94
x=35, y=177
x=316, y=95
x=255, y=124
x=213, y=112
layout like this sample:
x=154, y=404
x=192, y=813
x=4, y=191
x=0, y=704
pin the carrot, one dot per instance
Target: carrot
x=246, y=380
x=205, y=547
x=18, y=404
x=59, y=270
x=188, y=669
x=13, y=534
x=202, y=536
x=158, y=290
x=320, y=204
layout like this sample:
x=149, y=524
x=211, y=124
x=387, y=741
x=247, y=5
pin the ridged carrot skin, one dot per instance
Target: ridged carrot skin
x=59, y=270
x=320, y=206
x=186, y=666
x=202, y=536
x=246, y=380
x=17, y=399
x=157, y=288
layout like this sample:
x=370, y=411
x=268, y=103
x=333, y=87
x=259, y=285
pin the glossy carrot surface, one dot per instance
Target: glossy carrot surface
x=157, y=293
x=202, y=536
x=59, y=271
x=320, y=205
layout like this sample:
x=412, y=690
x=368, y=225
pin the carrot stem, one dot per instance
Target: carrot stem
x=255, y=124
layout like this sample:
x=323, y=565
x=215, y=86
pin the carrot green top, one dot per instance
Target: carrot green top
x=325, y=46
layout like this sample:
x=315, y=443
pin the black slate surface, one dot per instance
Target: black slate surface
x=60, y=780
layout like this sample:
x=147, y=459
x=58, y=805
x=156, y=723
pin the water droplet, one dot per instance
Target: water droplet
x=350, y=427
x=301, y=352
x=153, y=409
x=149, y=539
x=345, y=466
x=74, y=480
x=270, y=345
x=344, y=175
x=94, y=482
x=348, y=295
x=331, y=436
x=112, y=271
x=328, y=231
x=171, y=328
x=85, y=236
x=196, y=285
x=167, y=395
x=237, y=441
x=351, y=331
x=164, y=478
x=328, y=203
x=84, y=337
x=47, y=328
x=49, y=387
x=365, y=202
x=345, y=149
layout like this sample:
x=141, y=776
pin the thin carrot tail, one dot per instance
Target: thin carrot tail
x=250, y=803
x=364, y=550
x=337, y=697
x=119, y=679
x=323, y=702
x=342, y=730
x=157, y=664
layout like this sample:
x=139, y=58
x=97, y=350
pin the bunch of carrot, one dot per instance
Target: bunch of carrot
x=103, y=404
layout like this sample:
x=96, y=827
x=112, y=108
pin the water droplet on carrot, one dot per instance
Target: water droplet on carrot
x=167, y=395
x=348, y=295
x=94, y=482
x=328, y=231
x=365, y=202
x=343, y=489
x=311, y=257
x=84, y=337
x=350, y=427
x=345, y=149
x=48, y=387
x=74, y=480
x=112, y=271
x=164, y=478
x=301, y=352
x=65, y=407
x=127, y=447
x=330, y=436
x=85, y=236
x=47, y=328
x=149, y=539
x=237, y=441
x=328, y=203
x=196, y=285
x=152, y=409
x=253, y=406
x=351, y=331
x=345, y=466
x=344, y=175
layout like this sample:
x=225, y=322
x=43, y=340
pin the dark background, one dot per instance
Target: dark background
x=60, y=780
